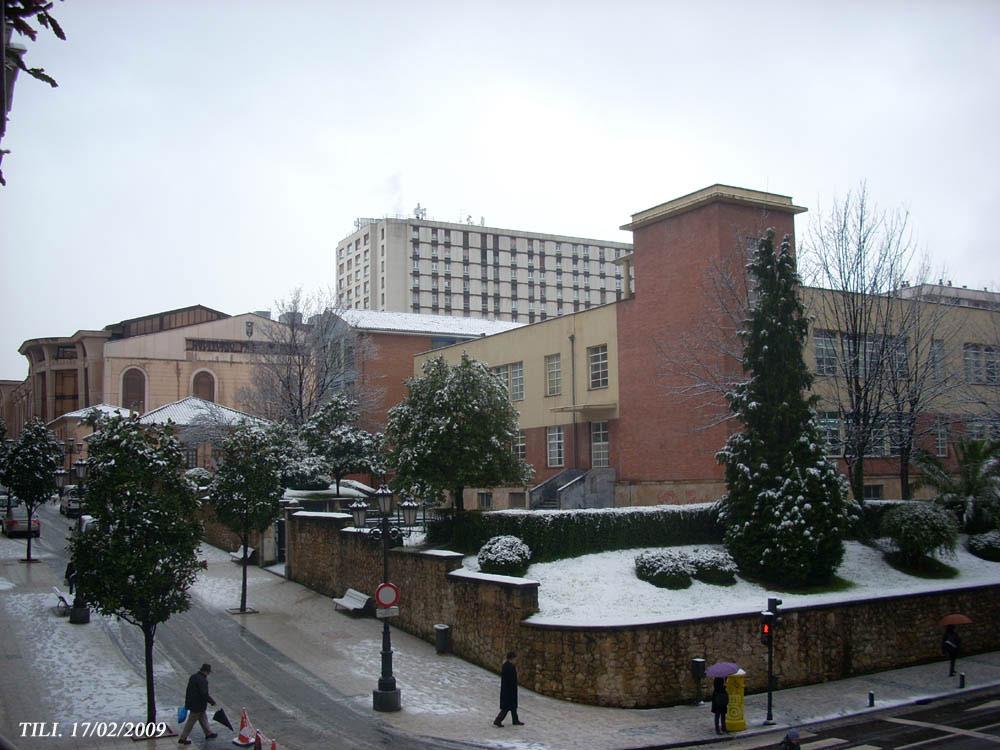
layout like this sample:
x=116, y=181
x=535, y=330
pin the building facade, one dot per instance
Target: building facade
x=423, y=266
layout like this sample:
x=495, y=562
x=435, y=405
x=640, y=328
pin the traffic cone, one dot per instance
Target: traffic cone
x=274, y=745
x=258, y=741
x=244, y=738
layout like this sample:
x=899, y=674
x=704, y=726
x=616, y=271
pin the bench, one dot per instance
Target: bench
x=64, y=601
x=237, y=556
x=354, y=601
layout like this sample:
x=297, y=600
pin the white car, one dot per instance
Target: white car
x=15, y=523
x=70, y=505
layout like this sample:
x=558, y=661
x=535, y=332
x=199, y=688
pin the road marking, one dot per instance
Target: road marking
x=829, y=742
x=990, y=704
x=865, y=747
x=950, y=731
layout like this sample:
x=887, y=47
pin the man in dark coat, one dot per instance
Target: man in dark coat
x=508, y=691
x=951, y=644
x=196, y=701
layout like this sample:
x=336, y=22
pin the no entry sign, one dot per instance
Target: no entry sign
x=387, y=595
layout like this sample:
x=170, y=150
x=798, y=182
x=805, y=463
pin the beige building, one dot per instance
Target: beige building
x=424, y=266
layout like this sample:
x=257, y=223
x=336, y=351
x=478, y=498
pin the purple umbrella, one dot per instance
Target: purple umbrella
x=722, y=669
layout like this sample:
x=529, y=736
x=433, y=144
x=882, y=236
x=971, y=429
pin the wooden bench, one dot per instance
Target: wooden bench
x=354, y=601
x=64, y=601
x=237, y=556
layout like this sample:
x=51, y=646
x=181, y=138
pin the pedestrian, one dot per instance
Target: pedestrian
x=70, y=576
x=791, y=741
x=508, y=691
x=720, y=704
x=951, y=644
x=196, y=701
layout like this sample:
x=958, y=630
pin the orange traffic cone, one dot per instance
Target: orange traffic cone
x=258, y=741
x=274, y=745
x=244, y=738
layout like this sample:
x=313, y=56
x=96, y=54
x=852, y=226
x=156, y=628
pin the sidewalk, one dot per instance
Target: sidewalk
x=448, y=698
x=443, y=696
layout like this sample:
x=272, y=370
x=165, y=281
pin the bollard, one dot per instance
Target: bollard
x=961, y=679
x=871, y=699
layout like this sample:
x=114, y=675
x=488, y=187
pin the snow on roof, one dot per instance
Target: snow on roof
x=106, y=410
x=445, y=325
x=189, y=410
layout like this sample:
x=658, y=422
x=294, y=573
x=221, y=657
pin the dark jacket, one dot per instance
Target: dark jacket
x=951, y=643
x=508, y=686
x=196, y=697
x=720, y=701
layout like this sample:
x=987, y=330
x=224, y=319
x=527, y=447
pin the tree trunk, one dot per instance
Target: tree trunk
x=243, y=591
x=904, y=476
x=458, y=497
x=337, y=480
x=856, y=474
x=148, y=634
x=31, y=514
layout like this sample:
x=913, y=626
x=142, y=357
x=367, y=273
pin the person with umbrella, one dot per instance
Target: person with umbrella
x=951, y=644
x=196, y=701
x=720, y=697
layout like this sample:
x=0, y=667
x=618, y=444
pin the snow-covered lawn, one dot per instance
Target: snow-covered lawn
x=602, y=589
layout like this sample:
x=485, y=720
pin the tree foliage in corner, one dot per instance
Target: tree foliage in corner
x=138, y=560
x=455, y=429
x=247, y=488
x=30, y=468
x=786, y=510
x=341, y=446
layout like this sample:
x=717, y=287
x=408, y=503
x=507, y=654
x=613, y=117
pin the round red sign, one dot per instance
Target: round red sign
x=387, y=595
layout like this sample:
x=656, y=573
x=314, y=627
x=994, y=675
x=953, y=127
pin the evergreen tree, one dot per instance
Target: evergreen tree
x=333, y=437
x=138, y=560
x=247, y=488
x=786, y=510
x=455, y=429
x=31, y=464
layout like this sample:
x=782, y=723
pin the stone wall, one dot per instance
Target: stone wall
x=219, y=535
x=636, y=665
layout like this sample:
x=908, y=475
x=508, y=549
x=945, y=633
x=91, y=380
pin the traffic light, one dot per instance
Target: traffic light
x=766, y=627
x=774, y=605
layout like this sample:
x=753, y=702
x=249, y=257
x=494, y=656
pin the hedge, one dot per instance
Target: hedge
x=558, y=534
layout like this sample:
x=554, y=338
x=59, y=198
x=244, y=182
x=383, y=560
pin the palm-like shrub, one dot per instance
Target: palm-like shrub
x=973, y=494
x=919, y=530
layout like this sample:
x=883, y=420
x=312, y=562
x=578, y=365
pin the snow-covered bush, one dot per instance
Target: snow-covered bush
x=919, y=530
x=713, y=566
x=201, y=478
x=986, y=546
x=560, y=534
x=505, y=555
x=664, y=568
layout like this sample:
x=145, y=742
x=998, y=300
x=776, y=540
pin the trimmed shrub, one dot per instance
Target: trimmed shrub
x=201, y=478
x=920, y=530
x=558, y=534
x=504, y=555
x=986, y=546
x=664, y=568
x=713, y=566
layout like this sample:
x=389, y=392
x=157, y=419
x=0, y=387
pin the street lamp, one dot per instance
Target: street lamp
x=80, y=470
x=386, y=697
x=79, y=613
x=61, y=476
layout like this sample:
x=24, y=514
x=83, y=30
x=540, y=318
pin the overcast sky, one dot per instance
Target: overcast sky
x=214, y=152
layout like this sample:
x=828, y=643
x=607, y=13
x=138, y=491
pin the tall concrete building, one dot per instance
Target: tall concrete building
x=420, y=265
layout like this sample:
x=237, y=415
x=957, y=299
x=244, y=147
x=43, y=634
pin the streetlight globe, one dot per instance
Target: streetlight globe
x=61, y=476
x=359, y=512
x=384, y=497
x=80, y=469
x=409, y=508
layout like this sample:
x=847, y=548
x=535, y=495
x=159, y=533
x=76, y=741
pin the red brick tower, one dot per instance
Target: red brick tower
x=687, y=252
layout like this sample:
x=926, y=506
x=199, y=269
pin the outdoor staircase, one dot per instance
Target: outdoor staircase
x=575, y=488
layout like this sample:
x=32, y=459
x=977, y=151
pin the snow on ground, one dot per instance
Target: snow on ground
x=602, y=589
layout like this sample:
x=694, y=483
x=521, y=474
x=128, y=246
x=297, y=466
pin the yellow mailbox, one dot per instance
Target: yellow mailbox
x=735, y=685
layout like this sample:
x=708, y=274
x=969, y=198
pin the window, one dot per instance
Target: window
x=191, y=457
x=134, y=390
x=865, y=352
x=940, y=438
x=599, y=444
x=553, y=374
x=484, y=500
x=516, y=500
x=898, y=356
x=982, y=364
x=512, y=376
x=554, y=443
x=937, y=359
x=520, y=446
x=597, y=356
x=826, y=353
x=873, y=492
x=878, y=439
x=829, y=429
x=203, y=386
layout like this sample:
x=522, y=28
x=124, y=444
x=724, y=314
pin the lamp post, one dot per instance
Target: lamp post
x=61, y=476
x=79, y=613
x=386, y=697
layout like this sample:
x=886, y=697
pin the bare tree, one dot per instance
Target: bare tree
x=305, y=357
x=861, y=255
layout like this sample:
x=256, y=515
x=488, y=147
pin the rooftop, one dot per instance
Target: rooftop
x=713, y=193
x=105, y=410
x=414, y=323
x=192, y=409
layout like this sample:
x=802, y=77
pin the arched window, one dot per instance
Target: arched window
x=134, y=390
x=204, y=386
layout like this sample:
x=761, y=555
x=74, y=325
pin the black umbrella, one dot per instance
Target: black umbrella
x=220, y=716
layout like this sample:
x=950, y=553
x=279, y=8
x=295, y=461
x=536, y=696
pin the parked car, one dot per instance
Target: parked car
x=70, y=505
x=15, y=523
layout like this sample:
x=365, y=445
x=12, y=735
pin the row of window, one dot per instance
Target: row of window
x=497, y=243
x=834, y=430
x=134, y=388
x=555, y=444
x=512, y=374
